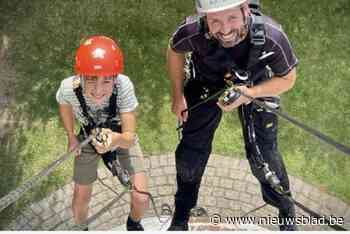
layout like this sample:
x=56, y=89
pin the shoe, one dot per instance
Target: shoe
x=178, y=226
x=131, y=225
x=180, y=220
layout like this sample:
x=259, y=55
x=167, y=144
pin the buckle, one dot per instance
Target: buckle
x=254, y=5
x=258, y=38
x=258, y=31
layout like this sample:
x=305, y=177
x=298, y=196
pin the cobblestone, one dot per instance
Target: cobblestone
x=227, y=187
x=251, y=178
x=315, y=194
x=244, y=197
x=237, y=174
x=222, y=202
x=258, y=200
x=26, y=227
x=234, y=205
x=219, y=192
x=226, y=183
x=223, y=172
x=209, y=171
x=58, y=207
x=253, y=189
x=154, y=162
x=243, y=165
x=37, y=209
x=212, y=181
x=239, y=186
x=153, y=191
x=231, y=194
x=165, y=190
x=228, y=162
x=210, y=201
x=296, y=184
x=21, y=221
x=28, y=214
x=171, y=160
x=169, y=170
x=206, y=190
x=163, y=160
x=171, y=179
x=117, y=211
x=161, y=180
x=146, y=162
x=157, y=172
x=234, y=163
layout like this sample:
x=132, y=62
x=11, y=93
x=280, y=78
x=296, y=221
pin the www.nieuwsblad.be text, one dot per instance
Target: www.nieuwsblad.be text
x=273, y=220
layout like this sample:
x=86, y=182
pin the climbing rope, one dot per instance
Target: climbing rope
x=132, y=189
x=314, y=132
x=114, y=201
x=231, y=91
x=17, y=193
x=324, y=138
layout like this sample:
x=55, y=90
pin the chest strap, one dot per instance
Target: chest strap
x=112, y=107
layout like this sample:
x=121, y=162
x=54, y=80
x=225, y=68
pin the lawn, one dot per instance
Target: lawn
x=45, y=34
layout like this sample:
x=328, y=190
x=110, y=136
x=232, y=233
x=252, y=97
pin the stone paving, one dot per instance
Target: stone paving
x=228, y=188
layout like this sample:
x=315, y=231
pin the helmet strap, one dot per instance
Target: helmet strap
x=245, y=20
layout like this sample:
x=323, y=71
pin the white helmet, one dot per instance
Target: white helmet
x=207, y=6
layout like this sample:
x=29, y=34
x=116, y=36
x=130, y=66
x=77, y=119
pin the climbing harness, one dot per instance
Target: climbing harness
x=128, y=188
x=230, y=93
x=233, y=91
x=110, y=159
x=17, y=193
x=93, y=132
x=270, y=175
x=124, y=179
x=326, y=139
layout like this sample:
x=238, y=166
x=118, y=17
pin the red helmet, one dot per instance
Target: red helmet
x=99, y=56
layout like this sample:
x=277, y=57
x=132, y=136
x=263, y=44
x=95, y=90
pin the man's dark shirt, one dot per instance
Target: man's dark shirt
x=211, y=61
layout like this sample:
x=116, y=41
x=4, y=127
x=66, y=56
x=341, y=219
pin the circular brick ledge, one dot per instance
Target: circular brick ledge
x=228, y=188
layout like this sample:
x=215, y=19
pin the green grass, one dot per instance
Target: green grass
x=45, y=34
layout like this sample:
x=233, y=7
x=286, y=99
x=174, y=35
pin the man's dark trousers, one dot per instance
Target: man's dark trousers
x=193, y=151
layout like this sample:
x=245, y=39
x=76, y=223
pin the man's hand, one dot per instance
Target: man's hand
x=179, y=104
x=72, y=143
x=241, y=100
x=103, y=140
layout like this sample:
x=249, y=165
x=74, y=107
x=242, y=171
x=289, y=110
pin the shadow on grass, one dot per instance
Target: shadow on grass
x=45, y=37
x=11, y=167
x=18, y=164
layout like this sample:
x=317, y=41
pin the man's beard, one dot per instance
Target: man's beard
x=239, y=35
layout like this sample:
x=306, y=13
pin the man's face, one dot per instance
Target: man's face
x=228, y=26
x=98, y=88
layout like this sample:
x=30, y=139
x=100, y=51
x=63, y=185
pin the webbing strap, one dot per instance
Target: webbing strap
x=112, y=108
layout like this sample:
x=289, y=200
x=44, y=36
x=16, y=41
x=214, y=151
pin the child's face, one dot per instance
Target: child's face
x=98, y=88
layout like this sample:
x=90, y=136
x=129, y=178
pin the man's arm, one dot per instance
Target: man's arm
x=274, y=86
x=175, y=65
